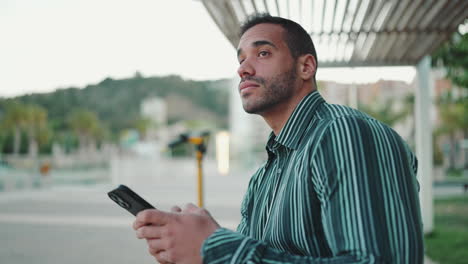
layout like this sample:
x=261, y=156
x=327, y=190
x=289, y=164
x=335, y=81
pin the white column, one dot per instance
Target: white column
x=353, y=96
x=424, y=141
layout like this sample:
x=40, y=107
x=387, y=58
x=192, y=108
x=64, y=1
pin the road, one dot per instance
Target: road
x=78, y=224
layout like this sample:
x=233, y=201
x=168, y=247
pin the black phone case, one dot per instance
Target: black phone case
x=129, y=200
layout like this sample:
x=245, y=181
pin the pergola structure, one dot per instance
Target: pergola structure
x=354, y=33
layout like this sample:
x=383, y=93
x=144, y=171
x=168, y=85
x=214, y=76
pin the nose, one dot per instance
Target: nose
x=245, y=69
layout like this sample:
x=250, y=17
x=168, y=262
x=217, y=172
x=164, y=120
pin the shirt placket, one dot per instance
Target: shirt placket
x=275, y=174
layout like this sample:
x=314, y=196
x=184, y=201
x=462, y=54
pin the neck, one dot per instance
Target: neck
x=277, y=117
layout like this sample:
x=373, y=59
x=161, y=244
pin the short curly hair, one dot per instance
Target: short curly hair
x=297, y=39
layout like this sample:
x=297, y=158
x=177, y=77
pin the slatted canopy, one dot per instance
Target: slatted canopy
x=355, y=32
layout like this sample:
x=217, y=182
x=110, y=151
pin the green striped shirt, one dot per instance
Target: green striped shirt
x=338, y=187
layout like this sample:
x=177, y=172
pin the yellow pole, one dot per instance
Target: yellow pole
x=200, y=178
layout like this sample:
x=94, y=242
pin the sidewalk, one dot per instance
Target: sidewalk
x=77, y=224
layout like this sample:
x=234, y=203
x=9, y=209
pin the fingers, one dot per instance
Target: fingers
x=190, y=208
x=157, y=248
x=193, y=209
x=176, y=209
x=151, y=217
x=149, y=232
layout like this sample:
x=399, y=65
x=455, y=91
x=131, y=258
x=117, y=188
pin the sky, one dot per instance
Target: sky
x=51, y=44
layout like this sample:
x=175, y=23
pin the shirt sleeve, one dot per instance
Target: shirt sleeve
x=365, y=179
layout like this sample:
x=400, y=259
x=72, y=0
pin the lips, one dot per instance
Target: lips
x=247, y=84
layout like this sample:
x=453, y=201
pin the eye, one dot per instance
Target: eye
x=241, y=61
x=263, y=53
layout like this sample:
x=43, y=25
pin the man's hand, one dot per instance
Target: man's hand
x=176, y=236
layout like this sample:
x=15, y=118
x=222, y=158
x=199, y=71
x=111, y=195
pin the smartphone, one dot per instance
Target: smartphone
x=129, y=200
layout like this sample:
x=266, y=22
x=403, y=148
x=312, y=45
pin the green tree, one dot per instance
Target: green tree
x=453, y=105
x=3, y=136
x=453, y=119
x=85, y=124
x=117, y=102
x=453, y=56
x=36, y=127
x=15, y=120
x=385, y=112
x=142, y=125
x=101, y=133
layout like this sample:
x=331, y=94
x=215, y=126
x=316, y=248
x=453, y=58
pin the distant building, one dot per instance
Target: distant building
x=249, y=133
x=155, y=109
x=372, y=94
x=180, y=108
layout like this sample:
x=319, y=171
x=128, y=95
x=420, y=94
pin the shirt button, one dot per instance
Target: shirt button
x=278, y=171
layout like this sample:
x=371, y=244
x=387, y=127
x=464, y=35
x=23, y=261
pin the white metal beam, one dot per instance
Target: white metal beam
x=393, y=32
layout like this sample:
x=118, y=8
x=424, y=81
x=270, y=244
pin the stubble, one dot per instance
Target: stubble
x=276, y=90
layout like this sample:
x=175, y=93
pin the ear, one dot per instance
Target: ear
x=307, y=66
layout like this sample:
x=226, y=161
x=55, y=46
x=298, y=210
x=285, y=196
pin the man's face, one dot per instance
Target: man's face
x=267, y=69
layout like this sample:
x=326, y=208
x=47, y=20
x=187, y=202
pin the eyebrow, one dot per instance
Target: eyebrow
x=257, y=44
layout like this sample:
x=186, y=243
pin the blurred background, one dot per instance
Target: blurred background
x=92, y=93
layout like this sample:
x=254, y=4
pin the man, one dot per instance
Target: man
x=338, y=186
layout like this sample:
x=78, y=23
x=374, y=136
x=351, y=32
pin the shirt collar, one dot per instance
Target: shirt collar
x=294, y=129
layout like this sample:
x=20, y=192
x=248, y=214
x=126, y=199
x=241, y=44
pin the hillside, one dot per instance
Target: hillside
x=117, y=102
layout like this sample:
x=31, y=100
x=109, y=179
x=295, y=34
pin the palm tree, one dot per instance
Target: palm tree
x=15, y=119
x=84, y=123
x=36, y=120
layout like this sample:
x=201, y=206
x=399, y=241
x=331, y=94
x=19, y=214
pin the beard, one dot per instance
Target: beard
x=275, y=91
